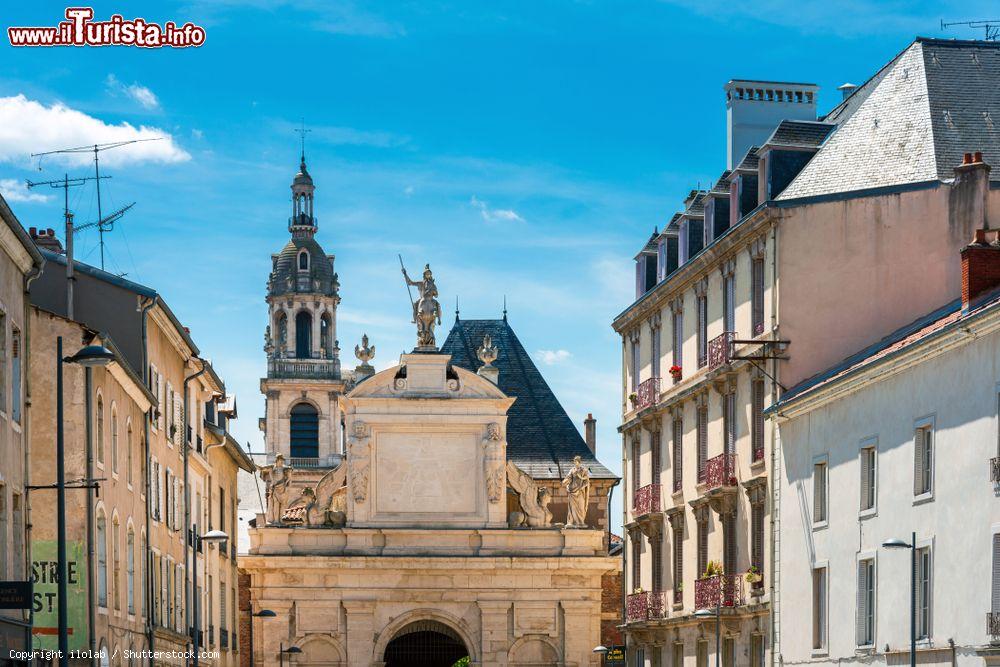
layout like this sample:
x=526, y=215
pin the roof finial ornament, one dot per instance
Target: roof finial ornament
x=504, y=307
x=302, y=135
x=487, y=352
x=456, y=308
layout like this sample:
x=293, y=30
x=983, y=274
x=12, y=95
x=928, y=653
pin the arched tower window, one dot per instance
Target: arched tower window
x=304, y=431
x=303, y=335
x=324, y=336
x=303, y=260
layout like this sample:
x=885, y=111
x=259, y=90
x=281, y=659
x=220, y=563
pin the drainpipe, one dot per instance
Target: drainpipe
x=33, y=273
x=775, y=495
x=144, y=308
x=185, y=443
x=626, y=484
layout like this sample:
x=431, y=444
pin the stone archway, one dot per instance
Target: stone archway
x=426, y=643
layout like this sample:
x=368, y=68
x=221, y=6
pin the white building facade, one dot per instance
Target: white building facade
x=896, y=441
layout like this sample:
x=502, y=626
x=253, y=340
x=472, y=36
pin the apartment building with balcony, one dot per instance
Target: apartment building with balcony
x=827, y=235
x=899, y=440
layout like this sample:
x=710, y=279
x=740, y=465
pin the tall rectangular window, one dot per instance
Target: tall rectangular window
x=654, y=353
x=757, y=538
x=702, y=303
x=757, y=295
x=677, y=338
x=729, y=652
x=636, y=468
x=924, y=592
x=635, y=364
x=869, y=477
x=757, y=419
x=3, y=361
x=678, y=453
x=654, y=458
x=995, y=588
x=729, y=422
x=866, y=602
x=819, y=492
x=4, y=523
x=636, y=561
x=656, y=546
x=702, y=547
x=729, y=542
x=678, y=564
x=17, y=563
x=819, y=608
x=729, y=302
x=702, y=429
x=756, y=650
x=678, y=656
x=15, y=374
x=701, y=659
x=923, y=460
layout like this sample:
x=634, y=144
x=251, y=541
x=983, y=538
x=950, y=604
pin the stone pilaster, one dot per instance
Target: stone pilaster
x=361, y=633
x=581, y=623
x=495, y=639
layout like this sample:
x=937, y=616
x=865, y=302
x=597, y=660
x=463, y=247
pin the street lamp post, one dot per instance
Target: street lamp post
x=708, y=613
x=896, y=543
x=210, y=536
x=88, y=357
x=282, y=651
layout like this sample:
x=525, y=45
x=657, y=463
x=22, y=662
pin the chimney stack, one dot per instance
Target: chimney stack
x=969, y=195
x=590, y=432
x=46, y=238
x=847, y=90
x=980, y=267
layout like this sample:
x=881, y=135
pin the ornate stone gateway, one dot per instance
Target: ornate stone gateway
x=425, y=644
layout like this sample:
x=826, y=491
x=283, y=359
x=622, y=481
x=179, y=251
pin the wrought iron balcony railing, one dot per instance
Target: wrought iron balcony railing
x=993, y=625
x=720, y=350
x=995, y=469
x=645, y=606
x=720, y=471
x=724, y=590
x=646, y=500
x=648, y=394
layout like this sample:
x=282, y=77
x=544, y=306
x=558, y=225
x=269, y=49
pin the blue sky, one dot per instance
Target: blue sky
x=524, y=149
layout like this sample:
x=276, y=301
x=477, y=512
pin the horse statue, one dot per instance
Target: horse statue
x=426, y=309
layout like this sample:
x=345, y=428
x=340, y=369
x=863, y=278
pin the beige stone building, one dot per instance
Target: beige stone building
x=20, y=262
x=827, y=236
x=174, y=482
x=417, y=516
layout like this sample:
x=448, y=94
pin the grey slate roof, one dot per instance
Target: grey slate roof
x=696, y=204
x=800, y=134
x=749, y=161
x=721, y=186
x=912, y=121
x=541, y=438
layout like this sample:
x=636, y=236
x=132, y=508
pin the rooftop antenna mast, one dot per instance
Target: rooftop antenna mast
x=302, y=134
x=66, y=183
x=991, y=27
x=103, y=225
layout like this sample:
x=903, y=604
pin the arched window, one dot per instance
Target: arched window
x=128, y=451
x=304, y=431
x=116, y=539
x=100, y=429
x=324, y=336
x=130, y=569
x=303, y=335
x=114, y=438
x=304, y=260
x=102, y=559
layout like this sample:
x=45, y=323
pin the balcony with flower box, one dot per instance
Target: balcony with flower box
x=723, y=590
x=720, y=482
x=645, y=606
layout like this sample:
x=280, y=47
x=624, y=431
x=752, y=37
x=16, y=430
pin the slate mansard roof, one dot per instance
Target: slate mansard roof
x=541, y=438
x=912, y=121
x=799, y=134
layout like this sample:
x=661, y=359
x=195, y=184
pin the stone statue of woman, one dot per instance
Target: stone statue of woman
x=577, y=483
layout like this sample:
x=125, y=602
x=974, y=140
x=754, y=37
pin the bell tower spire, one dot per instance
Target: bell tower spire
x=302, y=222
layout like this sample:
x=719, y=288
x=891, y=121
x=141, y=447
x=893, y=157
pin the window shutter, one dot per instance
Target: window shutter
x=679, y=558
x=996, y=574
x=702, y=548
x=819, y=492
x=178, y=419
x=757, y=434
x=730, y=405
x=702, y=440
x=918, y=462
x=678, y=342
x=678, y=454
x=636, y=468
x=865, y=479
x=657, y=549
x=655, y=456
x=160, y=397
x=730, y=295
x=862, y=620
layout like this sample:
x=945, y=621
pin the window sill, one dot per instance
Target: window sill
x=758, y=464
x=821, y=525
x=868, y=649
x=923, y=498
x=820, y=652
x=868, y=513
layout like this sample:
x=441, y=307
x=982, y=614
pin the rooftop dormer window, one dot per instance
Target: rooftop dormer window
x=303, y=260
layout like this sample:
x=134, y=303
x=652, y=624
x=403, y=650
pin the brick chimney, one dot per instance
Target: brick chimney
x=46, y=238
x=590, y=432
x=980, y=266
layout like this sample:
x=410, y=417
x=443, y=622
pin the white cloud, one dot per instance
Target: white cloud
x=140, y=94
x=27, y=126
x=14, y=190
x=552, y=357
x=197, y=134
x=495, y=214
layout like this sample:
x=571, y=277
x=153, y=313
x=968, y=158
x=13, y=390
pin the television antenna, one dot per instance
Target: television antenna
x=991, y=27
x=103, y=224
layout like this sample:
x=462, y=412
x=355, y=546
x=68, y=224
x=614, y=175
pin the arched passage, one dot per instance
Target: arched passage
x=425, y=643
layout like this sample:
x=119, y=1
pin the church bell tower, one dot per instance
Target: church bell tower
x=303, y=382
